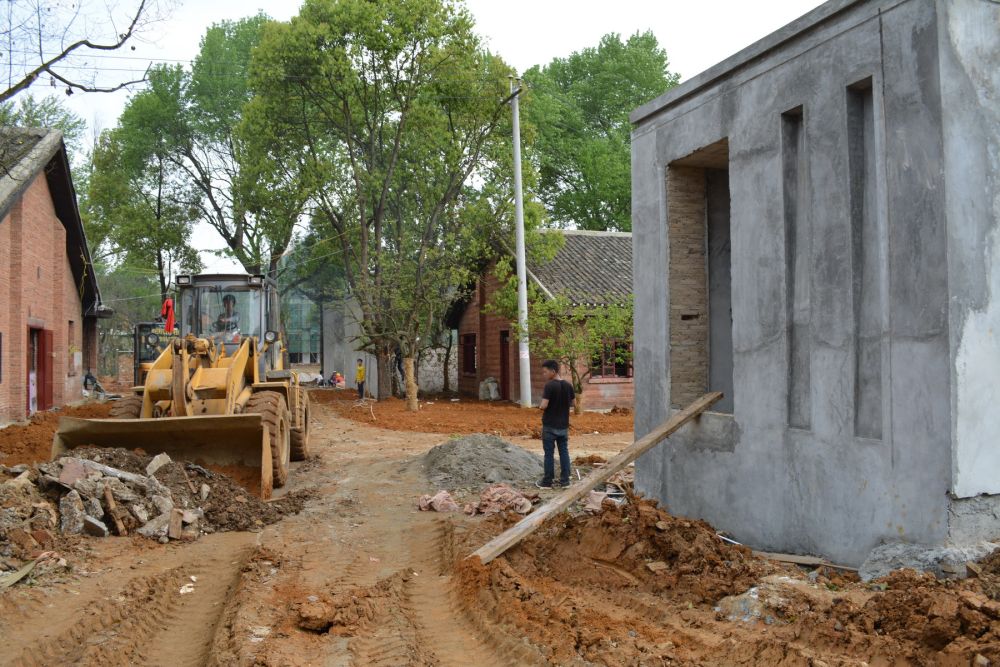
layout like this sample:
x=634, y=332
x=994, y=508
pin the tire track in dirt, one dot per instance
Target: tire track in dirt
x=146, y=620
x=186, y=632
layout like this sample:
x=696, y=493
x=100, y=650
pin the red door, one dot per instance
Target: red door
x=39, y=376
x=46, y=357
x=505, y=365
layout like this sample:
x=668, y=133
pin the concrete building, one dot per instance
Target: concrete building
x=590, y=268
x=49, y=299
x=816, y=230
x=339, y=343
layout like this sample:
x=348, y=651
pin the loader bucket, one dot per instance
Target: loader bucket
x=216, y=440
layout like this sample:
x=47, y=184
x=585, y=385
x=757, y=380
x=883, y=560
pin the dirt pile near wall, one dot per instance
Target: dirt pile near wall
x=32, y=442
x=635, y=585
x=466, y=415
x=475, y=460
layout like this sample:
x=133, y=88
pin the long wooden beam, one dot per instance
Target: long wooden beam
x=530, y=523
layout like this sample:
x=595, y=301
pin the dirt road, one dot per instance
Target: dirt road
x=360, y=577
x=242, y=590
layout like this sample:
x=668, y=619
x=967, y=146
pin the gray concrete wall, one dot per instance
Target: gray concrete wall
x=339, y=353
x=969, y=48
x=872, y=458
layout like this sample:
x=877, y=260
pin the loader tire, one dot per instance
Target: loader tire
x=300, y=432
x=273, y=410
x=129, y=407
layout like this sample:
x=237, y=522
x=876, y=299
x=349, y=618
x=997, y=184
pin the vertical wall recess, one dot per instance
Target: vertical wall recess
x=866, y=274
x=798, y=314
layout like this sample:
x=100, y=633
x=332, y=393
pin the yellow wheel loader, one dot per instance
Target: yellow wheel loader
x=219, y=393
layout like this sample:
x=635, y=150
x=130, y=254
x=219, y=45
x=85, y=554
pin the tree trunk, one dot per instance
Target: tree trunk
x=446, y=384
x=411, y=384
x=577, y=403
x=385, y=361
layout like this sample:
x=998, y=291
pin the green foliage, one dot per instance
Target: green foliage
x=580, y=105
x=137, y=206
x=132, y=291
x=382, y=114
x=572, y=334
x=48, y=112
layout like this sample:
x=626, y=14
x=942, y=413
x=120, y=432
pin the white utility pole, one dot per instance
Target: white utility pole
x=524, y=357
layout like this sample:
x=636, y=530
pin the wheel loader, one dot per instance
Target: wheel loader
x=219, y=393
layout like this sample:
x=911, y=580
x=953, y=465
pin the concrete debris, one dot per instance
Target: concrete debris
x=187, y=588
x=140, y=513
x=71, y=513
x=92, y=506
x=157, y=526
x=259, y=633
x=158, y=462
x=656, y=566
x=942, y=561
x=102, y=492
x=439, y=502
x=498, y=498
x=95, y=527
x=163, y=504
x=72, y=471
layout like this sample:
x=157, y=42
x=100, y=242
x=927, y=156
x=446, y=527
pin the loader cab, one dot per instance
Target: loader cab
x=149, y=341
x=227, y=308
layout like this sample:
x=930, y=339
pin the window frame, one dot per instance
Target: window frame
x=598, y=375
x=469, y=351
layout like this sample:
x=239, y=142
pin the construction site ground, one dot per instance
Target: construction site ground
x=361, y=577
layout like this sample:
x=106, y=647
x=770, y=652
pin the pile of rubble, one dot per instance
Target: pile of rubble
x=99, y=492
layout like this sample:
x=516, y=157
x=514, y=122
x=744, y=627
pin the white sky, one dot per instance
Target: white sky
x=695, y=35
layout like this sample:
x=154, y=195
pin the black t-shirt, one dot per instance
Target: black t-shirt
x=560, y=396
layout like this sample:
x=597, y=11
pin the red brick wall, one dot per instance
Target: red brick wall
x=37, y=289
x=597, y=395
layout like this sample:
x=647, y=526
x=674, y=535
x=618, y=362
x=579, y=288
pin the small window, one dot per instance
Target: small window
x=469, y=354
x=614, y=361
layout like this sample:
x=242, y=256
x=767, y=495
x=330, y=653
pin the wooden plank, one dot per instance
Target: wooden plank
x=530, y=523
x=109, y=499
x=175, y=525
x=796, y=559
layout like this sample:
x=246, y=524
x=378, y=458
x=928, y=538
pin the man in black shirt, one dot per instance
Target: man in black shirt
x=556, y=399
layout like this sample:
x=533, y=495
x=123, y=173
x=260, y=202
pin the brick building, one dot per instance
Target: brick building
x=590, y=268
x=49, y=299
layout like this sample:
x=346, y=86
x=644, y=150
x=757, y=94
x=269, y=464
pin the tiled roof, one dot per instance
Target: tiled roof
x=590, y=268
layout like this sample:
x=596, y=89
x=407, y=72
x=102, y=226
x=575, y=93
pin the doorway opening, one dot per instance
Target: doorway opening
x=39, y=376
x=700, y=276
x=505, y=365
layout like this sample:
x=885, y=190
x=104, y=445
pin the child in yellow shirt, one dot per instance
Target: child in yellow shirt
x=359, y=377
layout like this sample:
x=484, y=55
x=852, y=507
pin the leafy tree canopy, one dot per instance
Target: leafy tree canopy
x=48, y=112
x=580, y=106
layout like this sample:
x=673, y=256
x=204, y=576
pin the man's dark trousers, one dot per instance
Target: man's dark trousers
x=552, y=437
x=361, y=390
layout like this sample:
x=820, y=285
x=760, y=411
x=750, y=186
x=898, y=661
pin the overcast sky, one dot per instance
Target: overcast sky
x=695, y=35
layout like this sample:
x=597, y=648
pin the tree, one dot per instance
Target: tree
x=48, y=112
x=381, y=112
x=571, y=333
x=59, y=38
x=580, y=105
x=136, y=205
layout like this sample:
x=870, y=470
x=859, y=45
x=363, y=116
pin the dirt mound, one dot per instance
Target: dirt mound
x=32, y=442
x=634, y=585
x=229, y=506
x=103, y=491
x=641, y=544
x=473, y=460
x=466, y=415
x=589, y=460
